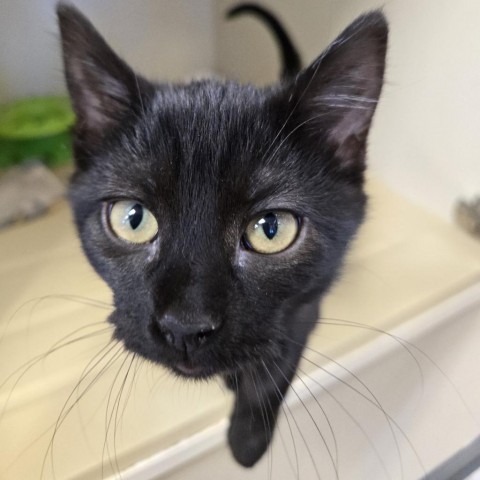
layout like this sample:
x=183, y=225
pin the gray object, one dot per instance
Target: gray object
x=27, y=191
x=467, y=215
x=459, y=466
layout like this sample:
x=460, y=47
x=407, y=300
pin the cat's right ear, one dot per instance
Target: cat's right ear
x=103, y=88
x=330, y=105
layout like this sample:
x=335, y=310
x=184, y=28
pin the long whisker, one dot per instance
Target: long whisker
x=373, y=401
x=299, y=430
x=136, y=368
x=30, y=365
x=66, y=409
x=266, y=423
x=36, y=301
x=335, y=445
x=25, y=368
x=114, y=415
x=409, y=346
x=265, y=417
x=280, y=397
x=334, y=463
x=354, y=420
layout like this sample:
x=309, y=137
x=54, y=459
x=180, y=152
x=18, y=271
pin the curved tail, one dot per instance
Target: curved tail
x=291, y=60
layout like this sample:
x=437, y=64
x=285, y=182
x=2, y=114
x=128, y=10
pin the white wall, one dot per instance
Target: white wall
x=246, y=50
x=163, y=39
x=426, y=138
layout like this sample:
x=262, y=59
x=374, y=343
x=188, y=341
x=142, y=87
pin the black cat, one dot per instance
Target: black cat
x=219, y=213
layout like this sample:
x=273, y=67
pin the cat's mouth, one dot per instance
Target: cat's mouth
x=193, y=370
x=189, y=369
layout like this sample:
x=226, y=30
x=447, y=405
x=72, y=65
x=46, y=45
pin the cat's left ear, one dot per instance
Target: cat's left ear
x=103, y=88
x=330, y=105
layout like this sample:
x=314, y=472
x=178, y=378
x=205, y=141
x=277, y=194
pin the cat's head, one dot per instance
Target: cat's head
x=215, y=210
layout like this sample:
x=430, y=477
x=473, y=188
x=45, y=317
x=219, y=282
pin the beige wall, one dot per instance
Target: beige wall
x=246, y=50
x=426, y=137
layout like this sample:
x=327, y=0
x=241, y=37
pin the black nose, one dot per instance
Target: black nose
x=185, y=336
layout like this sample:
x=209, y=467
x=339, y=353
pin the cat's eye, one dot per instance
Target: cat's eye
x=132, y=222
x=271, y=232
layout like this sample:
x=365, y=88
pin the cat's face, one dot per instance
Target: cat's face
x=214, y=211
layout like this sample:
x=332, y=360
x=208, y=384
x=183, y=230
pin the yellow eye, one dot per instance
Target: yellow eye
x=271, y=232
x=132, y=222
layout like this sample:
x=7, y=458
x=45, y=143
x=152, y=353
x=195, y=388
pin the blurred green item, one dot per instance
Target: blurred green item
x=36, y=127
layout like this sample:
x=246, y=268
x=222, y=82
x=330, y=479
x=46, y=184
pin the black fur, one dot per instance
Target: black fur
x=205, y=158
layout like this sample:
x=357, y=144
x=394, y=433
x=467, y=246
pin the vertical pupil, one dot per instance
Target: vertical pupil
x=135, y=216
x=270, y=225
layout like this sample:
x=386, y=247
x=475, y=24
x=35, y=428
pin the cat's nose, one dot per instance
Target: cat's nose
x=185, y=336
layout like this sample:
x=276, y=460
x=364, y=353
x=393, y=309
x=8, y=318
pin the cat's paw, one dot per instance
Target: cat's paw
x=248, y=440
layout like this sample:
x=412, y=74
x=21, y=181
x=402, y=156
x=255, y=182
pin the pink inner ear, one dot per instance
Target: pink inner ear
x=356, y=120
x=95, y=116
x=100, y=83
x=338, y=93
x=99, y=98
x=87, y=104
x=348, y=132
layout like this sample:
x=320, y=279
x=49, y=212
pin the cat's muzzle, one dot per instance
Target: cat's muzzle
x=185, y=337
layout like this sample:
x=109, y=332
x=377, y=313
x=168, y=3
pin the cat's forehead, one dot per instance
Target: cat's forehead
x=206, y=134
x=204, y=145
x=208, y=92
x=200, y=110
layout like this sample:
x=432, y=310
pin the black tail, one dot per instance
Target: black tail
x=291, y=60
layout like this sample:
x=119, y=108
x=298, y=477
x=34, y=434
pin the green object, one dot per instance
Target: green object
x=37, y=127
